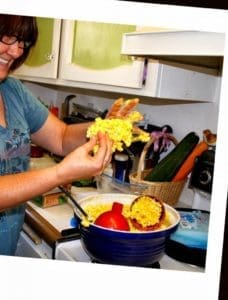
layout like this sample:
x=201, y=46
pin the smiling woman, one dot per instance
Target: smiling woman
x=25, y=120
x=18, y=28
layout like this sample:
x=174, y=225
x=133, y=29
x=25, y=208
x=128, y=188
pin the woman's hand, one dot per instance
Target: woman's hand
x=121, y=109
x=82, y=163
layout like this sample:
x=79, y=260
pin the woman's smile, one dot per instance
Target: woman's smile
x=4, y=67
x=7, y=56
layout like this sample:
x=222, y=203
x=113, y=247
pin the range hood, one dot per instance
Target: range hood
x=191, y=47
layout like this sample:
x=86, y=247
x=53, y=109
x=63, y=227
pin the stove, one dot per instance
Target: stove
x=71, y=250
x=155, y=265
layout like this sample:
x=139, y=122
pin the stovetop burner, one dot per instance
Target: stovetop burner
x=155, y=265
x=71, y=249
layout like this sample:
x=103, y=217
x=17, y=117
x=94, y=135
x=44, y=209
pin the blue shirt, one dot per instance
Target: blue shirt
x=24, y=114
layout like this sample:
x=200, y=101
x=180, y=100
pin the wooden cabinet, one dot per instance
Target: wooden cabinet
x=43, y=58
x=90, y=52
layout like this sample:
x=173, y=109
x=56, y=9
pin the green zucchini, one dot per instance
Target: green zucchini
x=167, y=167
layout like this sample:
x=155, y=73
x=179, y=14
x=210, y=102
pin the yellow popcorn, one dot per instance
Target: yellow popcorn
x=147, y=211
x=135, y=116
x=95, y=210
x=120, y=131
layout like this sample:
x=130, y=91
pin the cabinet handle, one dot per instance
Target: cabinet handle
x=33, y=236
x=49, y=56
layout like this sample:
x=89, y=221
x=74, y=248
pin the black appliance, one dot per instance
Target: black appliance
x=202, y=173
x=80, y=113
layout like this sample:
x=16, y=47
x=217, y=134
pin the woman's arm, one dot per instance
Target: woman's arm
x=58, y=137
x=18, y=188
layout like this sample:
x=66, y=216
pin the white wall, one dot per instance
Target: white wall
x=46, y=95
x=183, y=118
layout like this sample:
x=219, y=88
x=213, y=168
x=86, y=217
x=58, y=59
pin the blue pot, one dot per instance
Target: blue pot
x=116, y=247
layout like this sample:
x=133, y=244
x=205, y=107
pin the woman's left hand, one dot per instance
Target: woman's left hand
x=83, y=163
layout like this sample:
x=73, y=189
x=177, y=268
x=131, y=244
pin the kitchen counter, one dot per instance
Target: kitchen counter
x=49, y=223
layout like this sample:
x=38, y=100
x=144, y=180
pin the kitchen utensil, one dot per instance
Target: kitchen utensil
x=87, y=112
x=75, y=203
x=149, y=210
x=113, y=219
x=65, y=109
x=118, y=247
x=80, y=113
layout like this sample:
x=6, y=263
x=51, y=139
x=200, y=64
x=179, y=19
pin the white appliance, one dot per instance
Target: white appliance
x=72, y=250
x=28, y=247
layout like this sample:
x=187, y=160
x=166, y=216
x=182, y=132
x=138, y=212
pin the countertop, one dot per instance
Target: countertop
x=48, y=223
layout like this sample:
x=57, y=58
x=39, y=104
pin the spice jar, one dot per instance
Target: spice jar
x=121, y=163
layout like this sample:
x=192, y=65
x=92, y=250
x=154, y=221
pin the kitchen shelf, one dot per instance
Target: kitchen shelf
x=192, y=47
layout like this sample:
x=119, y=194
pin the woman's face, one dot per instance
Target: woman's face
x=8, y=53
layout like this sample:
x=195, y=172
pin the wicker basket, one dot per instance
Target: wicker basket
x=169, y=192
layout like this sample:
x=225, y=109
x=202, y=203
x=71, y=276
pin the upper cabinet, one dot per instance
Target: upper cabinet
x=181, y=64
x=90, y=52
x=192, y=47
x=119, y=58
x=43, y=58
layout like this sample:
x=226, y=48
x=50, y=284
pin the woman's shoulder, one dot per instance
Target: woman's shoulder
x=14, y=88
x=13, y=82
x=12, y=79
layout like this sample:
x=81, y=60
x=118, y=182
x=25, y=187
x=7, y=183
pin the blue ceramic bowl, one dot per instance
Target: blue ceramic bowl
x=115, y=247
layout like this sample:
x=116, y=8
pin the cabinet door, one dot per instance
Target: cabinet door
x=169, y=80
x=43, y=58
x=90, y=52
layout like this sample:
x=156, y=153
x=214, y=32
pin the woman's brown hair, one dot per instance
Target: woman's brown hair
x=24, y=27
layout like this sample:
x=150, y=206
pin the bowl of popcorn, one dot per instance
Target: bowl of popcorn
x=126, y=229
